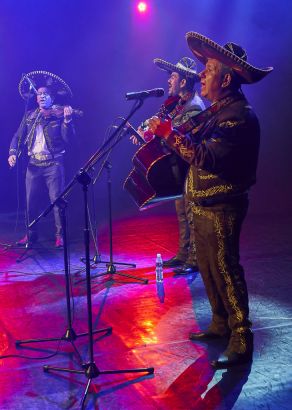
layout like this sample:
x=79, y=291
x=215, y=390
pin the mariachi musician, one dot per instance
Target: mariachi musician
x=45, y=131
x=221, y=145
x=183, y=103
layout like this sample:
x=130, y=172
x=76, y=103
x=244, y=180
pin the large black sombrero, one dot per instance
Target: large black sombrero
x=42, y=78
x=186, y=67
x=231, y=55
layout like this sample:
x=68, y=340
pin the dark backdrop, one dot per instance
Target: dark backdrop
x=104, y=49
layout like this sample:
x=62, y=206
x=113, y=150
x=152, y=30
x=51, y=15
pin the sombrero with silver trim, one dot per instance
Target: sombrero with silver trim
x=231, y=55
x=186, y=67
x=42, y=78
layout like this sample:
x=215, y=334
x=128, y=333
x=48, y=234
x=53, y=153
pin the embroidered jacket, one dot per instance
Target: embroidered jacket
x=57, y=133
x=222, y=153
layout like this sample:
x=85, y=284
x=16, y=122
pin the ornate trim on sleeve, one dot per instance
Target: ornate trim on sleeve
x=230, y=124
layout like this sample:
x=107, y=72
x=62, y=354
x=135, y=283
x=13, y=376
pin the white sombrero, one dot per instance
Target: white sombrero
x=186, y=67
x=42, y=78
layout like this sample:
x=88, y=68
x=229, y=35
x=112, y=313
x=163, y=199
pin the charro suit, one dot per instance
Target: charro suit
x=49, y=168
x=187, y=248
x=222, y=152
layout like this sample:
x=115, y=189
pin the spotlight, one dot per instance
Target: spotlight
x=142, y=7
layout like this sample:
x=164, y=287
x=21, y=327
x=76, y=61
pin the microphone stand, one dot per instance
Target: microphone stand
x=111, y=268
x=89, y=369
x=97, y=257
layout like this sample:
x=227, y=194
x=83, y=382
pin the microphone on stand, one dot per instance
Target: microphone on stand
x=141, y=95
x=31, y=84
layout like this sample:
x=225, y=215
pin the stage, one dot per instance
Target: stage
x=150, y=323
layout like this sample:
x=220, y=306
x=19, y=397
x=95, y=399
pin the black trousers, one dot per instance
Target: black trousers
x=187, y=247
x=217, y=235
x=51, y=176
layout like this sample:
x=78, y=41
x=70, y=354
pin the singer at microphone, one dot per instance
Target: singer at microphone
x=141, y=95
x=182, y=102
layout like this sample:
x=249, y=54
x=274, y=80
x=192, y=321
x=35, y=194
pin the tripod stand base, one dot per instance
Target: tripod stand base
x=91, y=371
x=70, y=336
x=111, y=270
x=96, y=259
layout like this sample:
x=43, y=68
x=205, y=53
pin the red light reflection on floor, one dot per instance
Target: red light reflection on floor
x=145, y=331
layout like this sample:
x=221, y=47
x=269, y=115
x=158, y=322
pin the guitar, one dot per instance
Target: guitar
x=158, y=174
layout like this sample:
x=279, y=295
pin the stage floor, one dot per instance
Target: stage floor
x=149, y=324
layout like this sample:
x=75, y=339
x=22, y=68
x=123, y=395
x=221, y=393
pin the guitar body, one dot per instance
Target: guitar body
x=158, y=175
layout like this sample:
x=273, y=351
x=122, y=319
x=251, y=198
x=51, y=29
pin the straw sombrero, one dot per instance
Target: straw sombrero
x=186, y=67
x=43, y=79
x=232, y=55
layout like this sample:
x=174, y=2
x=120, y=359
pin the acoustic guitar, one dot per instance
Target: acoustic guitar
x=158, y=174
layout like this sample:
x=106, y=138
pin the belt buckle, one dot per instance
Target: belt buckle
x=41, y=157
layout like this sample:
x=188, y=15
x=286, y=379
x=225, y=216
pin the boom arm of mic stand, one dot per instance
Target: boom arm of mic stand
x=95, y=156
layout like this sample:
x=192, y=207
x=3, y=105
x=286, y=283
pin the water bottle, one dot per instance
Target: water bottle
x=159, y=268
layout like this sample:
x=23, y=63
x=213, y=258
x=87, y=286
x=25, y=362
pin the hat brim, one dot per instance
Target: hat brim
x=42, y=78
x=203, y=48
x=170, y=68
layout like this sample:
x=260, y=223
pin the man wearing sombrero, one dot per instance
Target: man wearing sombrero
x=45, y=132
x=182, y=79
x=221, y=145
x=187, y=103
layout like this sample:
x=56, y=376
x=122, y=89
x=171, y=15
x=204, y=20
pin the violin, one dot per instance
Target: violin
x=58, y=111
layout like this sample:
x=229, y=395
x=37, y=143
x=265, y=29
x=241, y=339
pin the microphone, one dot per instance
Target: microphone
x=31, y=84
x=140, y=95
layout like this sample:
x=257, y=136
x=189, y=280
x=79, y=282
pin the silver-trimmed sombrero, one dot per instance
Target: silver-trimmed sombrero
x=42, y=78
x=231, y=55
x=186, y=67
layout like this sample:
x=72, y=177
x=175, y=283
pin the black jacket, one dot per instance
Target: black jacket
x=222, y=153
x=57, y=133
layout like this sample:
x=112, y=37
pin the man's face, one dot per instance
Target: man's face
x=174, y=84
x=211, y=80
x=44, y=98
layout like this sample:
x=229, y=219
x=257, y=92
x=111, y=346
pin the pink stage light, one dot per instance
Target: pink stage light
x=142, y=7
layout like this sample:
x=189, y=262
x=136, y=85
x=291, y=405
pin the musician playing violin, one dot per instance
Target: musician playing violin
x=183, y=103
x=44, y=133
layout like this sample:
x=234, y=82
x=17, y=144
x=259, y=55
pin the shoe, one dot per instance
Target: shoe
x=59, y=242
x=185, y=269
x=23, y=241
x=206, y=335
x=230, y=359
x=175, y=261
x=27, y=240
